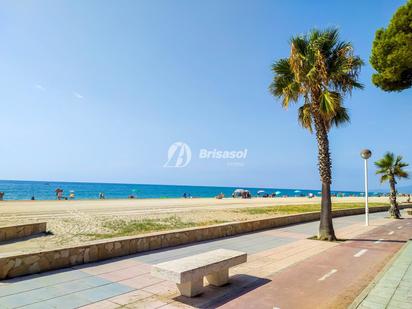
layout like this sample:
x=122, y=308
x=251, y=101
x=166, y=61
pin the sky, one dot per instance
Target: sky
x=99, y=90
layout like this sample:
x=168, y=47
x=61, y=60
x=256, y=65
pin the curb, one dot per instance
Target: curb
x=358, y=300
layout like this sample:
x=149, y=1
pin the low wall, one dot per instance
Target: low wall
x=18, y=265
x=23, y=230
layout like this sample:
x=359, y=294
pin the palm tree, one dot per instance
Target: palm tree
x=319, y=72
x=390, y=169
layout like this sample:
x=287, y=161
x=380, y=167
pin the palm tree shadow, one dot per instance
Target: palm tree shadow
x=213, y=297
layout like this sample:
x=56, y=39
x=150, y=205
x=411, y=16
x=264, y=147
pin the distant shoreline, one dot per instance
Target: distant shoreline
x=169, y=185
x=43, y=190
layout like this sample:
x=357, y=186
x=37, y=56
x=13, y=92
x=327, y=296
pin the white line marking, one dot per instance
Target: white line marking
x=399, y=227
x=378, y=241
x=391, y=232
x=360, y=253
x=327, y=275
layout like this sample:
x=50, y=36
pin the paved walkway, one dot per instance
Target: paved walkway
x=335, y=277
x=394, y=289
x=266, y=280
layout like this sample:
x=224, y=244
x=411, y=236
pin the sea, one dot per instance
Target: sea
x=45, y=190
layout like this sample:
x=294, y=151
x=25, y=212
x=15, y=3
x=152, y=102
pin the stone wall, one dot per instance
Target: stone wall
x=18, y=265
x=22, y=230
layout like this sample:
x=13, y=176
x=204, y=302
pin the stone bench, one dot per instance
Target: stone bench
x=188, y=272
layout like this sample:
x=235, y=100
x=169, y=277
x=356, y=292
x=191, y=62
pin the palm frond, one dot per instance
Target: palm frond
x=391, y=167
x=330, y=102
x=284, y=85
x=341, y=117
x=384, y=178
x=321, y=69
x=386, y=162
x=305, y=116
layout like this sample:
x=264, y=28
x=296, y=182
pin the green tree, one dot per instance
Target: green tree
x=319, y=72
x=392, y=52
x=391, y=168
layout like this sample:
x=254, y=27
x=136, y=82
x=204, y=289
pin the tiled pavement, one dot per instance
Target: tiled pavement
x=127, y=281
x=331, y=279
x=394, y=288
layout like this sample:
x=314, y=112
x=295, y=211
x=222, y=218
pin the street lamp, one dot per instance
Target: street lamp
x=366, y=154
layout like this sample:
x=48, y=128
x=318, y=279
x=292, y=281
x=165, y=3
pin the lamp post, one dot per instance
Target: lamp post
x=366, y=154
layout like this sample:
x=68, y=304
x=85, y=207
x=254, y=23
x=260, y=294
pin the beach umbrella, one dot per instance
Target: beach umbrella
x=278, y=192
x=260, y=192
x=297, y=191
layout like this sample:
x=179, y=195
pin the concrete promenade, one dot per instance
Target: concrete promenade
x=394, y=288
x=284, y=270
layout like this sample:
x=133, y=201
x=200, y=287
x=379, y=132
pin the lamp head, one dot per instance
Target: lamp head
x=366, y=154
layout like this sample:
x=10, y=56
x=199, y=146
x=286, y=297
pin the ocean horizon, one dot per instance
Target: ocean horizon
x=45, y=190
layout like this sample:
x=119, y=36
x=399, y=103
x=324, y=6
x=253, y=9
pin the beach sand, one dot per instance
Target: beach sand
x=77, y=221
x=52, y=209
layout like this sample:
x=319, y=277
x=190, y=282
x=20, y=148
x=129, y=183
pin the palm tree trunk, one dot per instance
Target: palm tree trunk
x=394, y=210
x=326, y=231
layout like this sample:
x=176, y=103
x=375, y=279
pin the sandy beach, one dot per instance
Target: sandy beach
x=43, y=210
x=78, y=221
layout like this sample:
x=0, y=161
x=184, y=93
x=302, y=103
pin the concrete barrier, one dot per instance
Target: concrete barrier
x=22, y=230
x=30, y=263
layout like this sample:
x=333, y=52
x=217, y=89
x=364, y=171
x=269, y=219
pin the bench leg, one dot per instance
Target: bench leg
x=218, y=278
x=191, y=288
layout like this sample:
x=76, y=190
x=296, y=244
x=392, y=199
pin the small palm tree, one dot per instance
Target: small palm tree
x=320, y=71
x=391, y=168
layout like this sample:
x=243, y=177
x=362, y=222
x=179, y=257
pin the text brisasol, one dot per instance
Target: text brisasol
x=222, y=154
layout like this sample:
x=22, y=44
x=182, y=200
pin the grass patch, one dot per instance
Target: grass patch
x=295, y=209
x=120, y=227
x=134, y=227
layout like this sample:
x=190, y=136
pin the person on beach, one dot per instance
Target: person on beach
x=220, y=196
x=71, y=195
x=59, y=193
x=101, y=196
x=1, y=196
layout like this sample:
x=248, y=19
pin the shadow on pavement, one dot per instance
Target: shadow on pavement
x=217, y=296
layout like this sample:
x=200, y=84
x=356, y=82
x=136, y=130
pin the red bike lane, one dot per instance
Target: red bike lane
x=333, y=278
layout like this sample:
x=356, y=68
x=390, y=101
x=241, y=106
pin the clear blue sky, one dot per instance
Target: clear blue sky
x=98, y=90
